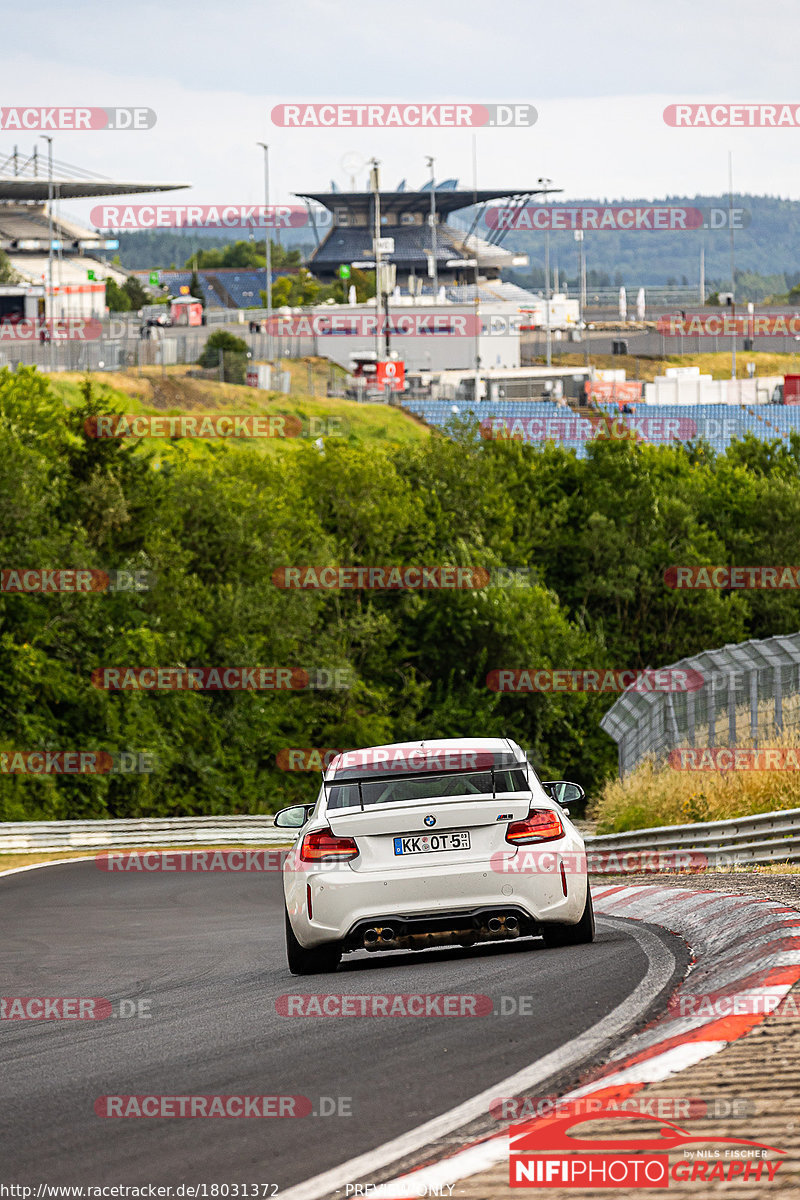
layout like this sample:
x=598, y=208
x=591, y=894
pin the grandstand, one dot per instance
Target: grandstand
x=535, y=422
x=79, y=266
x=404, y=217
x=221, y=287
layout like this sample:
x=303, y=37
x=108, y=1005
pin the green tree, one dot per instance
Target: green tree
x=195, y=289
x=7, y=272
x=135, y=292
x=117, y=298
x=223, y=347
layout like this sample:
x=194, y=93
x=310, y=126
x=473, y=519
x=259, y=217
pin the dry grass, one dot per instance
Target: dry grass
x=717, y=365
x=655, y=795
x=177, y=392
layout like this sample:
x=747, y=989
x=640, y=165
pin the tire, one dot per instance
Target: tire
x=572, y=935
x=320, y=961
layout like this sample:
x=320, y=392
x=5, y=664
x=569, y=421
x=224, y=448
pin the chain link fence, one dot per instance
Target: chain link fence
x=750, y=695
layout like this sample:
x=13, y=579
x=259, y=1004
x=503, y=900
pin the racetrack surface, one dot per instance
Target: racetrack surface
x=206, y=950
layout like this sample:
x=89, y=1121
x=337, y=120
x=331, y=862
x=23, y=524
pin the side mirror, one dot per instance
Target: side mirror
x=564, y=793
x=294, y=817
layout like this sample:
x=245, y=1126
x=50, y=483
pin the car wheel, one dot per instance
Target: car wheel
x=319, y=961
x=572, y=935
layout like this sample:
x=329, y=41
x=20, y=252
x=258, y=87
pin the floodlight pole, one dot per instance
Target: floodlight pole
x=435, y=276
x=268, y=247
x=733, y=265
x=374, y=178
x=546, y=183
x=49, y=141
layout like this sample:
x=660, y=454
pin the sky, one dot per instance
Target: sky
x=599, y=75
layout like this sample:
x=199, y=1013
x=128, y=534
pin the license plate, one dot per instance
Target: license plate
x=426, y=843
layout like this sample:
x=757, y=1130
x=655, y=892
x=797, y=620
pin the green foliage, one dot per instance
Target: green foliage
x=135, y=292
x=195, y=289
x=245, y=255
x=213, y=526
x=767, y=248
x=130, y=296
x=7, y=272
x=117, y=299
x=226, y=348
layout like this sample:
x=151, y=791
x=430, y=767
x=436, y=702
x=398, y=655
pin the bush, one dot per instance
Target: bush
x=223, y=347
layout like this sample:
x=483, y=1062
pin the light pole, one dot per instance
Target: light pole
x=733, y=265
x=547, y=183
x=375, y=185
x=582, y=295
x=51, y=306
x=430, y=161
x=473, y=262
x=268, y=246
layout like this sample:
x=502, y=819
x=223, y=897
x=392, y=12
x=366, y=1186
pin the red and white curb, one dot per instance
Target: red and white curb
x=740, y=943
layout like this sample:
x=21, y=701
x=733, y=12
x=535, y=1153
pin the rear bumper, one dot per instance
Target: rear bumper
x=463, y=927
x=345, y=900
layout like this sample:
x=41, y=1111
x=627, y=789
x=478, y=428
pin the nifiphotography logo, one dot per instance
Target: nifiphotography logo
x=542, y=1155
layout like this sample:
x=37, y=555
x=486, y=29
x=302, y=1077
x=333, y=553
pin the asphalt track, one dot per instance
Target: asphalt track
x=206, y=951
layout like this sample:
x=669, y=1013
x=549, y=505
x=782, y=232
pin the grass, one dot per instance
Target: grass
x=718, y=365
x=177, y=392
x=656, y=794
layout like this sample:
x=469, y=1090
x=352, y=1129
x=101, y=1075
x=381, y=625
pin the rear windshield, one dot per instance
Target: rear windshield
x=428, y=787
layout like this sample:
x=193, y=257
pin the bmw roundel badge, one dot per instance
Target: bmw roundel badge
x=430, y=821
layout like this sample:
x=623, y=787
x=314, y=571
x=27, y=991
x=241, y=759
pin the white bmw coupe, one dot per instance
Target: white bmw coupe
x=419, y=844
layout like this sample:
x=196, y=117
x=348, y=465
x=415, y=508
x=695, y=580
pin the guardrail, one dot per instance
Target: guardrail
x=154, y=831
x=763, y=838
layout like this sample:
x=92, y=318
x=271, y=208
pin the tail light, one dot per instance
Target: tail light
x=540, y=825
x=323, y=846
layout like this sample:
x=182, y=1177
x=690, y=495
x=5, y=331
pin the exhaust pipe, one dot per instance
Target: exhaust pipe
x=512, y=923
x=495, y=924
x=387, y=934
x=370, y=937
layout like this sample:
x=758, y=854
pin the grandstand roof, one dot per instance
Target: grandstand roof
x=447, y=200
x=18, y=190
x=25, y=178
